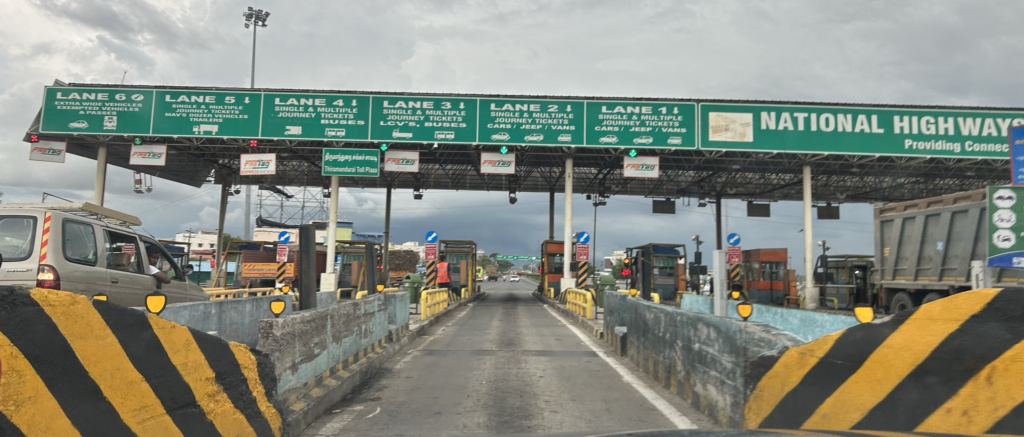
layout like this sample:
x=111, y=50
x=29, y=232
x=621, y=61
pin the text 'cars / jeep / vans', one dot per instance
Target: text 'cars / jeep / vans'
x=86, y=249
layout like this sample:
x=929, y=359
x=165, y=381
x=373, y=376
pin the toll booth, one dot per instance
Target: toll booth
x=844, y=280
x=461, y=257
x=351, y=268
x=766, y=277
x=243, y=253
x=552, y=266
x=657, y=268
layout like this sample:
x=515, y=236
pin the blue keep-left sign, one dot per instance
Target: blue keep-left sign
x=583, y=238
x=1017, y=155
x=733, y=239
x=284, y=237
x=431, y=237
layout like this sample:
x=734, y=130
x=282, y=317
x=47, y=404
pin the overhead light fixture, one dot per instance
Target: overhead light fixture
x=702, y=202
x=512, y=196
x=435, y=147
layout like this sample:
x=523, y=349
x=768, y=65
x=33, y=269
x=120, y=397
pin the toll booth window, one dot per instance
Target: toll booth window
x=772, y=271
x=555, y=265
x=664, y=266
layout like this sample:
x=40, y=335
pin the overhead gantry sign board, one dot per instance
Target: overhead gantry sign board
x=661, y=124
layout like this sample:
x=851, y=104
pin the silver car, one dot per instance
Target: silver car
x=89, y=250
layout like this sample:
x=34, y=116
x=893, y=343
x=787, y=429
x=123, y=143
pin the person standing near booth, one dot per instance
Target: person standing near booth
x=443, y=279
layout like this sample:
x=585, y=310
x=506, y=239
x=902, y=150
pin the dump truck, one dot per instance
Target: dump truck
x=491, y=272
x=924, y=250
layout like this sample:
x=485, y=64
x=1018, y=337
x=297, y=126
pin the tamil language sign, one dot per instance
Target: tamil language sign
x=48, y=151
x=857, y=130
x=1005, y=229
x=497, y=163
x=256, y=164
x=351, y=162
x=149, y=154
x=402, y=161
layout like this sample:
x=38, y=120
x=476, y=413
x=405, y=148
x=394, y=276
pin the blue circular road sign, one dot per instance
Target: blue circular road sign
x=583, y=238
x=431, y=237
x=284, y=237
x=733, y=239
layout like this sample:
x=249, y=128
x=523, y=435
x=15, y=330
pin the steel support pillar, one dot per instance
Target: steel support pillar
x=567, y=281
x=810, y=291
x=101, y=175
x=718, y=221
x=328, y=279
x=551, y=214
x=386, y=249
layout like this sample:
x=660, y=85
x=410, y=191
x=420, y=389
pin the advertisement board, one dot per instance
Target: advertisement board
x=402, y=161
x=497, y=163
x=641, y=167
x=48, y=151
x=255, y=164
x=148, y=154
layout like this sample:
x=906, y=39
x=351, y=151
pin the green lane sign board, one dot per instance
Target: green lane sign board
x=529, y=121
x=338, y=117
x=1006, y=226
x=642, y=124
x=857, y=130
x=517, y=258
x=423, y=119
x=328, y=116
x=351, y=162
x=206, y=113
x=96, y=111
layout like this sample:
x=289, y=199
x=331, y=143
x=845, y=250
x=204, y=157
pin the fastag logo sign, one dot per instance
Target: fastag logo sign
x=48, y=151
x=641, y=167
x=149, y=154
x=497, y=163
x=402, y=161
x=254, y=164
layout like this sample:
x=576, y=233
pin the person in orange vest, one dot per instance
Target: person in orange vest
x=443, y=280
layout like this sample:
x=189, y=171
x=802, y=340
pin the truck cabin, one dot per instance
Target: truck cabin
x=657, y=268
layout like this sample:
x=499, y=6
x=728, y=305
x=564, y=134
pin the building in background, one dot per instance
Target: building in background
x=202, y=243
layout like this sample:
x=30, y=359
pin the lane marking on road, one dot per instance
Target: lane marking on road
x=336, y=424
x=373, y=413
x=670, y=412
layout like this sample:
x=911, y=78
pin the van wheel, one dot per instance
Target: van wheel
x=901, y=301
x=931, y=297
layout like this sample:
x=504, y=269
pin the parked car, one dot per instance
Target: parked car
x=89, y=250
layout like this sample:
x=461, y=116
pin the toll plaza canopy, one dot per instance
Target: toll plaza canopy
x=658, y=148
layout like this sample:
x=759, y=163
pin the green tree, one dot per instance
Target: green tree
x=617, y=268
x=494, y=255
x=403, y=260
x=485, y=261
x=504, y=266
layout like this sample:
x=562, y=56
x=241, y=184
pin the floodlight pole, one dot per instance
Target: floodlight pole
x=257, y=19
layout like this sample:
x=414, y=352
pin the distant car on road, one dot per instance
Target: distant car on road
x=78, y=124
x=534, y=137
x=609, y=139
x=501, y=136
x=643, y=140
x=513, y=278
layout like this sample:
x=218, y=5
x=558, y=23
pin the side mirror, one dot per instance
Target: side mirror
x=189, y=269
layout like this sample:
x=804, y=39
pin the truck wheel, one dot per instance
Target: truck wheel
x=901, y=301
x=931, y=297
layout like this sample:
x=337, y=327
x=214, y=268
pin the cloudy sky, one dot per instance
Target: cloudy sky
x=967, y=52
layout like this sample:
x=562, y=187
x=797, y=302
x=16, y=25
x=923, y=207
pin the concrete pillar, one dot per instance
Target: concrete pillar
x=220, y=233
x=718, y=221
x=328, y=279
x=721, y=297
x=567, y=281
x=551, y=214
x=387, y=236
x=246, y=233
x=101, y=175
x=810, y=291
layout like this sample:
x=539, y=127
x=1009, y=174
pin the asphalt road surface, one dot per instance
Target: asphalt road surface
x=506, y=364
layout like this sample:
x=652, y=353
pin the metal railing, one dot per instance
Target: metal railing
x=432, y=302
x=235, y=293
x=580, y=301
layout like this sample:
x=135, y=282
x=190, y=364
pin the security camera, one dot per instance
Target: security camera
x=238, y=191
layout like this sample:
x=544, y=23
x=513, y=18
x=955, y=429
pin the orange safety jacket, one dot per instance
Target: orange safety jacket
x=442, y=273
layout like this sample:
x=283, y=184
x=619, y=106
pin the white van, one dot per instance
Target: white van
x=86, y=249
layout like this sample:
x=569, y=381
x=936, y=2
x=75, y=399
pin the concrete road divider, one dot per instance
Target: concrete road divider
x=71, y=366
x=580, y=302
x=950, y=366
x=433, y=301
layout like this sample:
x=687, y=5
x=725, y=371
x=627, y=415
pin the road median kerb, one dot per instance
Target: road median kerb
x=334, y=385
x=590, y=327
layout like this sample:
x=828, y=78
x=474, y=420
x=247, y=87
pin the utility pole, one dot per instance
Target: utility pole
x=256, y=18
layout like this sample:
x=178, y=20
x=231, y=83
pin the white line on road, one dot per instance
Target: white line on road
x=412, y=353
x=373, y=413
x=670, y=412
x=335, y=425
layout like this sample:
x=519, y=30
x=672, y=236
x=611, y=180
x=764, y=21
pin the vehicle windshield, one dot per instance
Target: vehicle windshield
x=17, y=234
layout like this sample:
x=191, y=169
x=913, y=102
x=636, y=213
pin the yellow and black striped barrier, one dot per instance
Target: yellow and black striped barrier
x=433, y=301
x=580, y=302
x=431, y=281
x=582, y=273
x=951, y=366
x=70, y=366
